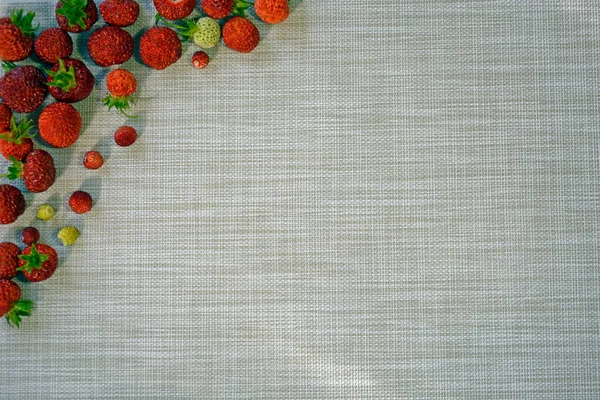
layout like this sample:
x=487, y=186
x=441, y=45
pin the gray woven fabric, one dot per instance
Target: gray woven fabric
x=386, y=200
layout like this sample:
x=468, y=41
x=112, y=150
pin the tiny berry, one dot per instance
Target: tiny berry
x=45, y=212
x=80, y=202
x=93, y=160
x=30, y=235
x=200, y=59
x=125, y=136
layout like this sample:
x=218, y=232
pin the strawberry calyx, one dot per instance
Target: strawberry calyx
x=73, y=11
x=240, y=7
x=63, y=78
x=15, y=170
x=19, y=132
x=21, y=308
x=23, y=22
x=120, y=103
x=185, y=28
x=8, y=66
x=33, y=260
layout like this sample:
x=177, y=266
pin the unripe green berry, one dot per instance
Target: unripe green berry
x=208, y=33
x=68, y=235
x=45, y=212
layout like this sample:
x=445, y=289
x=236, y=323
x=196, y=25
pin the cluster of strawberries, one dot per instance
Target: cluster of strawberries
x=23, y=89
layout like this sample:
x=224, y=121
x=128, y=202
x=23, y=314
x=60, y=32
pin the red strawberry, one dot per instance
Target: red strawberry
x=122, y=85
x=52, y=45
x=16, y=36
x=60, y=124
x=70, y=80
x=93, y=160
x=11, y=305
x=110, y=45
x=76, y=15
x=125, y=136
x=240, y=34
x=38, y=262
x=174, y=9
x=38, y=171
x=12, y=204
x=120, y=12
x=23, y=89
x=8, y=260
x=272, y=11
x=200, y=59
x=217, y=8
x=30, y=235
x=16, y=141
x=5, y=116
x=160, y=47
x=80, y=202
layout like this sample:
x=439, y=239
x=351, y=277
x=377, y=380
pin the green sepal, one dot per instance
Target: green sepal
x=62, y=78
x=73, y=11
x=120, y=103
x=240, y=7
x=186, y=27
x=23, y=22
x=8, y=66
x=18, y=132
x=33, y=260
x=15, y=170
x=21, y=308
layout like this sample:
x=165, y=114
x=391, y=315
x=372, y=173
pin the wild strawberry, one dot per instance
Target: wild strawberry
x=159, y=47
x=122, y=85
x=60, y=124
x=12, y=204
x=272, y=11
x=205, y=32
x=8, y=260
x=38, y=171
x=200, y=59
x=11, y=305
x=76, y=15
x=30, y=235
x=70, y=80
x=110, y=45
x=93, y=160
x=240, y=34
x=16, y=141
x=38, y=262
x=5, y=117
x=16, y=37
x=45, y=212
x=125, y=136
x=23, y=88
x=174, y=9
x=80, y=202
x=52, y=45
x=217, y=8
x=68, y=235
x=120, y=12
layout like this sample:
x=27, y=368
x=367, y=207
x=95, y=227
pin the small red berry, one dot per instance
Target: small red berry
x=125, y=136
x=93, y=160
x=200, y=59
x=80, y=202
x=30, y=235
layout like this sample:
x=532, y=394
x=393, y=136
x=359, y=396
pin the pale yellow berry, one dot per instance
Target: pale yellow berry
x=68, y=235
x=207, y=33
x=45, y=212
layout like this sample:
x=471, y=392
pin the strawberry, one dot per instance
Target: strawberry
x=38, y=262
x=217, y=8
x=205, y=32
x=52, y=45
x=240, y=34
x=80, y=202
x=122, y=85
x=5, y=117
x=110, y=45
x=272, y=11
x=200, y=59
x=93, y=160
x=70, y=80
x=12, y=204
x=120, y=12
x=8, y=260
x=23, y=88
x=76, y=15
x=125, y=136
x=16, y=36
x=60, y=124
x=174, y=9
x=30, y=235
x=16, y=141
x=159, y=47
x=11, y=305
x=38, y=171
